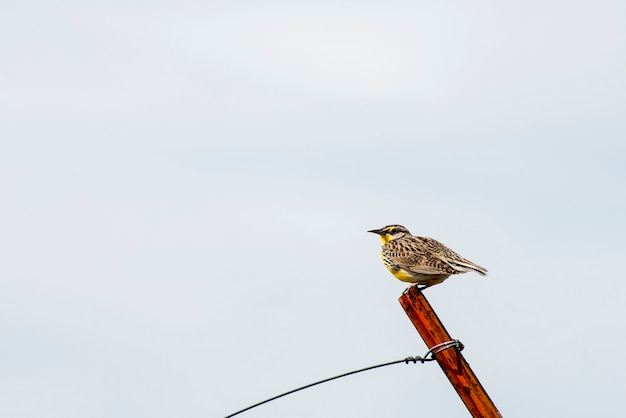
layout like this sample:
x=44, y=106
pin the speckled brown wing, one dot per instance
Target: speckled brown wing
x=447, y=256
x=416, y=255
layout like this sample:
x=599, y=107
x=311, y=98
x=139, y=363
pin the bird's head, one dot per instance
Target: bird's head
x=391, y=232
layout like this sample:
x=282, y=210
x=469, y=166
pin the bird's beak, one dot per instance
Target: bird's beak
x=377, y=231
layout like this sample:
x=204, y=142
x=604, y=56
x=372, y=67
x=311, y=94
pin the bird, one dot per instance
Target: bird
x=420, y=260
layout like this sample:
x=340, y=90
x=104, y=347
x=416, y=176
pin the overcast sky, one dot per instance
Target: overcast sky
x=186, y=189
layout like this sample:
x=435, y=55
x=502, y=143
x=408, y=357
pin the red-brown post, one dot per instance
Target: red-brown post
x=451, y=360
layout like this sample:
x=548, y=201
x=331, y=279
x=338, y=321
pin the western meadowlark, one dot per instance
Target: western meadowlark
x=420, y=260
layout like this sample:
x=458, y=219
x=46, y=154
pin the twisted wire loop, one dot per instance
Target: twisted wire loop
x=435, y=349
x=438, y=348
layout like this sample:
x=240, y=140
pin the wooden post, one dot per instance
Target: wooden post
x=450, y=359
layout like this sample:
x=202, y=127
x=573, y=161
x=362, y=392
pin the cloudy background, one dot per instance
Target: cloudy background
x=186, y=188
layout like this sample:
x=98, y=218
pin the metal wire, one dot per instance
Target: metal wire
x=429, y=356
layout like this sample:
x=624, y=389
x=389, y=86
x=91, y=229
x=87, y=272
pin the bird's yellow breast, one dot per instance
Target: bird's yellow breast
x=402, y=276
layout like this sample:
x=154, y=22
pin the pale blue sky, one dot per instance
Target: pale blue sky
x=186, y=188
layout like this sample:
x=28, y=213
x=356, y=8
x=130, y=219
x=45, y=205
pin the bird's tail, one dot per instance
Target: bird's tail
x=463, y=266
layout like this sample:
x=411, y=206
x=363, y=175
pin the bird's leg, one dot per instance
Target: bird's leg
x=418, y=287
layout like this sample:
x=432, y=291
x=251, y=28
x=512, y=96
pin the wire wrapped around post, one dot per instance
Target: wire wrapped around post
x=448, y=354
